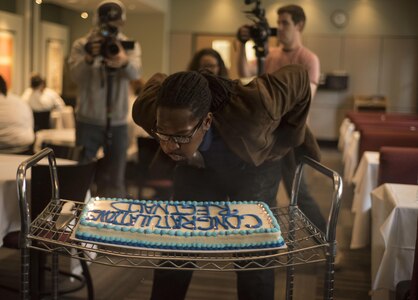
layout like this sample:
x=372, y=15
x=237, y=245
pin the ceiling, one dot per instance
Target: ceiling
x=132, y=6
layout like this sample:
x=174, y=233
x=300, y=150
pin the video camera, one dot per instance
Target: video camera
x=260, y=30
x=108, y=33
x=109, y=46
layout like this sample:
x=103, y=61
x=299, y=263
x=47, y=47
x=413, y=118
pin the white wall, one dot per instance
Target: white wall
x=150, y=31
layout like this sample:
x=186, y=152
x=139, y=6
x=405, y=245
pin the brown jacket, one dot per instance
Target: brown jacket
x=262, y=121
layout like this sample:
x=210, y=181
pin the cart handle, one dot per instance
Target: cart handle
x=336, y=197
x=25, y=217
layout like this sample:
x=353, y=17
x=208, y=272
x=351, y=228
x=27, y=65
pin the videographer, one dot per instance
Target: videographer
x=102, y=64
x=291, y=22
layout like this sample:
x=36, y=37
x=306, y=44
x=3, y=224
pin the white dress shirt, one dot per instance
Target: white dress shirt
x=16, y=124
x=44, y=100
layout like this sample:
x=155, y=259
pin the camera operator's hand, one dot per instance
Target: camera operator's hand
x=93, y=47
x=119, y=60
x=244, y=33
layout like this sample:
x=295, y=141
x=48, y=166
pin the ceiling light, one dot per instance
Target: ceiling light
x=38, y=1
x=84, y=15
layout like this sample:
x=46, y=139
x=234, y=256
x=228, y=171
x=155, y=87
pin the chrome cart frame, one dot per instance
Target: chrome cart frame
x=305, y=243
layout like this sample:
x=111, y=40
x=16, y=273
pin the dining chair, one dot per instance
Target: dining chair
x=67, y=152
x=74, y=183
x=41, y=120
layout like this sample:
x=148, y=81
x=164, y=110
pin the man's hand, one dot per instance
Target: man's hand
x=92, y=48
x=119, y=60
x=244, y=33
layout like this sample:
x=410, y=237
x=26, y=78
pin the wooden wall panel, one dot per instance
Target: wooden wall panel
x=361, y=60
x=399, y=74
x=329, y=50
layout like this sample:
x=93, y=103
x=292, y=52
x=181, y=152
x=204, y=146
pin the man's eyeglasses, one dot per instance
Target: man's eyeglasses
x=178, y=139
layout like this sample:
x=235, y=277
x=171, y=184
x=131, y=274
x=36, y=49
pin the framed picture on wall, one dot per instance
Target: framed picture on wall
x=54, y=64
x=6, y=56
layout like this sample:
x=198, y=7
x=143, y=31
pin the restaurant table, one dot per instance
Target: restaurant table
x=63, y=137
x=365, y=180
x=9, y=205
x=394, y=229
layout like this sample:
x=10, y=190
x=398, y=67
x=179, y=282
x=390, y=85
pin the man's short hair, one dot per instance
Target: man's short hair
x=297, y=13
x=36, y=80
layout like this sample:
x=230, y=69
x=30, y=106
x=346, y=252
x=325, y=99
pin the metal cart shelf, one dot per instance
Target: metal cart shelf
x=305, y=243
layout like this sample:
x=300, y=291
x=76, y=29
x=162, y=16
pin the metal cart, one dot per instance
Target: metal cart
x=305, y=243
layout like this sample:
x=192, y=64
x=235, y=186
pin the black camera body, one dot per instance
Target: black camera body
x=260, y=31
x=109, y=46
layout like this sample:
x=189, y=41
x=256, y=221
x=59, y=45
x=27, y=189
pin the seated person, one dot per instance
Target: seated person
x=16, y=123
x=40, y=97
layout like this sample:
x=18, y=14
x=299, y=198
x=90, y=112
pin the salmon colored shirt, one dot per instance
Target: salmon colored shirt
x=278, y=58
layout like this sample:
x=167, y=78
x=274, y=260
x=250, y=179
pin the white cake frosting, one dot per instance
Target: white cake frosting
x=180, y=225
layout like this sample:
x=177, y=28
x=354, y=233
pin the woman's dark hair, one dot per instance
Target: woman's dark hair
x=295, y=11
x=195, y=62
x=200, y=92
x=3, y=86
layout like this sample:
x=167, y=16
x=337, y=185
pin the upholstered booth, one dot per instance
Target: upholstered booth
x=373, y=140
x=398, y=165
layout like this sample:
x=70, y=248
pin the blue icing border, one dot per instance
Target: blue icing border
x=180, y=246
x=172, y=232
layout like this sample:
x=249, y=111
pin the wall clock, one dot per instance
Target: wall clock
x=339, y=18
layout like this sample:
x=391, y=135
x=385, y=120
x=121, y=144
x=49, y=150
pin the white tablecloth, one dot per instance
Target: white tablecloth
x=365, y=180
x=65, y=137
x=350, y=155
x=348, y=144
x=394, y=224
x=9, y=205
x=62, y=118
x=346, y=128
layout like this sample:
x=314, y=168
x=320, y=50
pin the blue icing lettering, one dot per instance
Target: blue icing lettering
x=255, y=217
x=94, y=215
x=205, y=220
x=177, y=221
x=189, y=223
x=237, y=219
x=150, y=208
x=218, y=222
x=184, y=209
x=163, y=222
x=146, y=220
x=202, y=210
x=161, y=209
